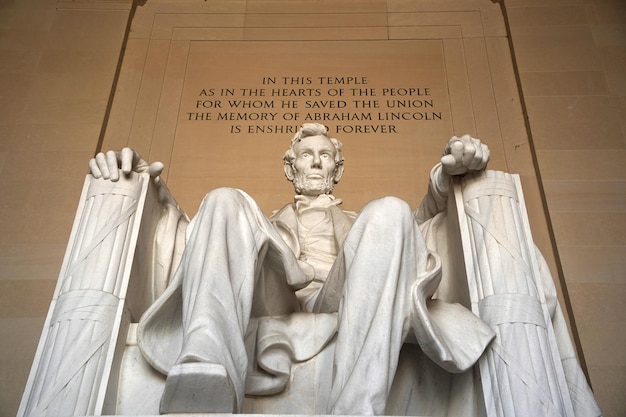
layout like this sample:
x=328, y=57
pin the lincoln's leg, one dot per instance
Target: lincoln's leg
x=229, y=239
x=383, y=254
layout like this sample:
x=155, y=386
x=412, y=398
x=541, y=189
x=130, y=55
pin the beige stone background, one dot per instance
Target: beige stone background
x=204, y=154
x=62, y=79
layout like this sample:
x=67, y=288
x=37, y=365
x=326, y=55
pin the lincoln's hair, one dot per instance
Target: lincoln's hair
x=312, y=129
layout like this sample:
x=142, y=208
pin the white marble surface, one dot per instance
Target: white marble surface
x=316, y=310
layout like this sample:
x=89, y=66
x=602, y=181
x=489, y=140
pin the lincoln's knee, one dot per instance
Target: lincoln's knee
x=388, y=211
x=222, y=194
x=224, y=199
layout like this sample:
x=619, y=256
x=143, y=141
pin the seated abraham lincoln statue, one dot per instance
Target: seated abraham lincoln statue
x=366, y=277
x=252, y=295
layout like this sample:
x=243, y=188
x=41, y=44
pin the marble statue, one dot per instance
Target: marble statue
x=397, y=307
x=366, y=278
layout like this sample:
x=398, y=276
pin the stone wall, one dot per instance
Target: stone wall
x=571, y=57
x=59, y=66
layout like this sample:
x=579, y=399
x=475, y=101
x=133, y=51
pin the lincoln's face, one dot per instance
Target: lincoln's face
x=314, y=166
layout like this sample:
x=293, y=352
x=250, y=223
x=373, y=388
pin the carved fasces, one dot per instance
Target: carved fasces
x=521, y=371
x=70, y=375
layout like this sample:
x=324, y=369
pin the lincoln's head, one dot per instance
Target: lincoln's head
x=313, y=162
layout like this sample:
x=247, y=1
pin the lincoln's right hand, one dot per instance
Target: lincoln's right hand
x=107, y=164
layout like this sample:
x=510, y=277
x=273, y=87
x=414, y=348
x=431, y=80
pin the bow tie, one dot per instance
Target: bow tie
x=321, y=201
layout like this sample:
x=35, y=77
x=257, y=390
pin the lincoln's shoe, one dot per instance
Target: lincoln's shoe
x=198, y=387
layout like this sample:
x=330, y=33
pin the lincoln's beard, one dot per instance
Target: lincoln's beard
x=306, y=186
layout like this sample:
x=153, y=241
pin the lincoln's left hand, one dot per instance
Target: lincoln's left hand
x=463, y=155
